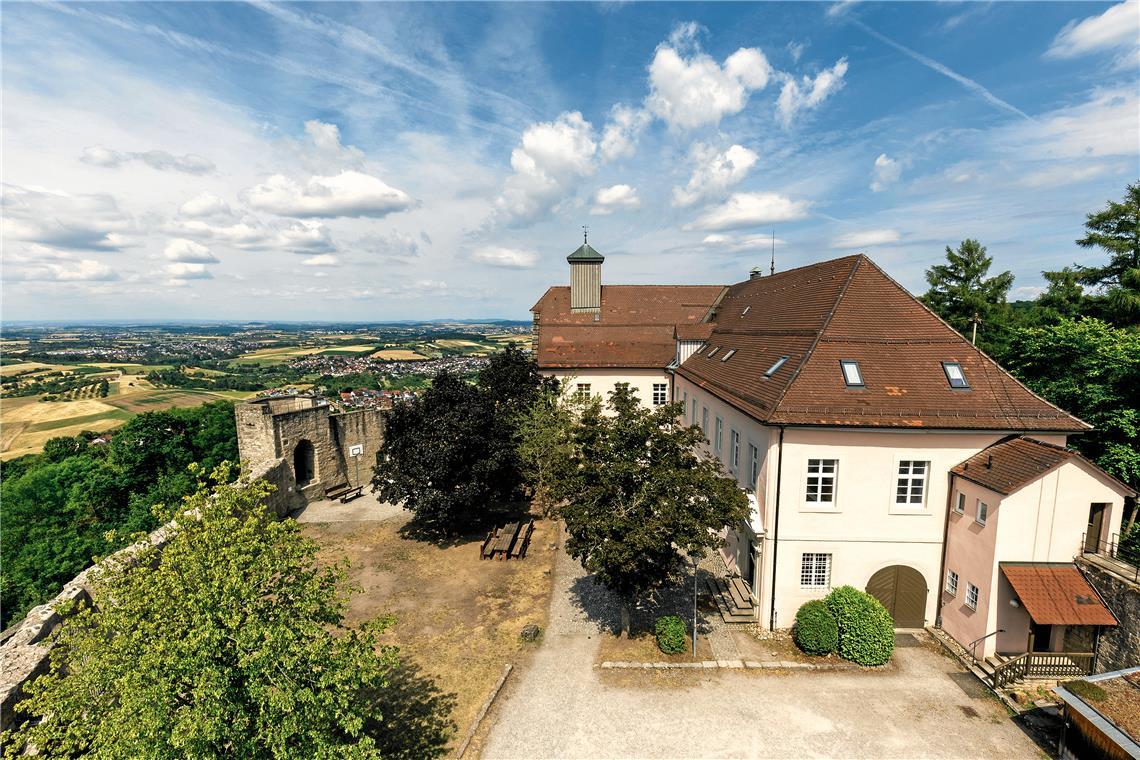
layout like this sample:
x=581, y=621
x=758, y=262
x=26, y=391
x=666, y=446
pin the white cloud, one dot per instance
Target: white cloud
x=507, y=258
x=1103, y=125
x=610, y=199
x=1063, y=174
x=160, y=160
x=393, y=245
x=1117, y=27
x=326, y=140
x=714, y=172
x=689, y=91
x=84, y=270
x=810, y=92
x=91, y=222
x=886, y=172
x=298, y=236
x=619, y=138
x=205, y=205
x=719, y=242
x=184, y=271
x=750, y=210
x=796, y=50
x=323, y=260
x=189, y=252
x=552, y=157
x=839, y=8
x=866, y=239
x=350, y=193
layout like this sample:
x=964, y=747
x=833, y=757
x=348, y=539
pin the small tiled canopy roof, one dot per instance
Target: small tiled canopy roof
x=1055, y=593
x=1016, y=462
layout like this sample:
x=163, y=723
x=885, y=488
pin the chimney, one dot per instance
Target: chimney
x=586, y=280
x=990, y=462
x=755, y=272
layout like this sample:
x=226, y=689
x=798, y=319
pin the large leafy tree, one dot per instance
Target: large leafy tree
x=227, y=642
x=1116, y=231
x=962, y=293
x=448, y=456
x=548, y=434
x=643, y=498
x=1092, y=370
x=512, y=379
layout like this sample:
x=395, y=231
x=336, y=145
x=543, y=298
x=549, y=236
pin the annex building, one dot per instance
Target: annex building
x=868, y=435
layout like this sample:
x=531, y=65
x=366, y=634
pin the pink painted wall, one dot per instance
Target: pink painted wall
x=970, y=551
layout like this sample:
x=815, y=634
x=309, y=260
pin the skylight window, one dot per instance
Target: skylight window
x=776, y=367
x=728, y=355
x=851, y=374
x=712, y=353
x=699, y=350
x=954, y=375
x=746, y=308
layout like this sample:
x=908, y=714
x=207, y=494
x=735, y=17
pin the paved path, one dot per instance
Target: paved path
x=363, y=509
x=564, y=707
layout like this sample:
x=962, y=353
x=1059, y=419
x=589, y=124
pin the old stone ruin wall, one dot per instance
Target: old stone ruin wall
x=1119, y=647
x=25, y=647
x=325, y=451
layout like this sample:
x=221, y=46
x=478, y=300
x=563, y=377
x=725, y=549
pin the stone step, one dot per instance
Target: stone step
x=740, y=593
x=731, y=600
x=725, y=604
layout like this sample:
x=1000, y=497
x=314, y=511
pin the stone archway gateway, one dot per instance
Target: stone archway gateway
x=902, y=590
x=304, y=466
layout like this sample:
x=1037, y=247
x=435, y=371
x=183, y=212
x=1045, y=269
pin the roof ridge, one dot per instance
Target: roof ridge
x=979, y=351
x=819, y=333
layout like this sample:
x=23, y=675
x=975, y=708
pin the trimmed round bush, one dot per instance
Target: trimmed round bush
x=866, y=630
x=816, y=631
x=670, y=631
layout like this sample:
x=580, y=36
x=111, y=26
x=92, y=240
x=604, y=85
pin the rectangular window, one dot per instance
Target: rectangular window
x=735, y=438
x=971, y=596
x=982, y=513
x=583, y=391
x=954, y=375
x=960, y=503
x=753, y=466
x=728, y=355
x=851, y=374
x=694, y=422
x=719, y=445
x=775, y=367
x=815, y=570
x=951, y=583
x=910, y=488
x=705, y=420
x=713, y=351
x=660, y=391
x=821, y=480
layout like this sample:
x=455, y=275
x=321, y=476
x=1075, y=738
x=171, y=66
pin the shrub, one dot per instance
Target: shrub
x=866, y=631
x=670, y=631
x=816, y=631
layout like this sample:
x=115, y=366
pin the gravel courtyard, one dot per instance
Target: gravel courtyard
x=562, y=706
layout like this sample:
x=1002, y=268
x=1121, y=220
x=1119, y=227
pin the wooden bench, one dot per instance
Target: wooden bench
x=508, y=542
x=344, y=492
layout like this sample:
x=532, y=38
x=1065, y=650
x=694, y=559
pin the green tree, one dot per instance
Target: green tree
x=512, y=379
x=547, y=430
x=229, y=641
x=1064, y=297
x=1092, y=370
x=963, y=295
x=644, y=499
x=448, y=456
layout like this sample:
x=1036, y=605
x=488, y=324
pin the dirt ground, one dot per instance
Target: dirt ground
x=458, y=617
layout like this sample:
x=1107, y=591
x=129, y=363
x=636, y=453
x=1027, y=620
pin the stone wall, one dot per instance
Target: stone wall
x=1120, y=646
x=24, y=653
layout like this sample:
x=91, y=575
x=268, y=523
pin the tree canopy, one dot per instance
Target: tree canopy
x=1116, y=231
x=961, y=292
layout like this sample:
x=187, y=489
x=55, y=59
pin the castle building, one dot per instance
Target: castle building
x=854, y=419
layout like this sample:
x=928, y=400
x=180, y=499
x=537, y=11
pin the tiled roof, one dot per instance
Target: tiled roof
x=1016, y=462
x=848, y=308
x=634, y=329
x=1055, y=593
x=700, y=331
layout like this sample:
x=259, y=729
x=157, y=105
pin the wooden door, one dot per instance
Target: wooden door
x=1095, y=527
x=902, y=590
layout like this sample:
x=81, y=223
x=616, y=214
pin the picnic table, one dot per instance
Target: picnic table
x=508, y=542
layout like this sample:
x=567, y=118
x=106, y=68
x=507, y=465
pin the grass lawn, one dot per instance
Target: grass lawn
x=458, y=617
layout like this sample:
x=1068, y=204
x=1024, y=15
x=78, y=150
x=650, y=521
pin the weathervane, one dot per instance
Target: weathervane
x=585, y=234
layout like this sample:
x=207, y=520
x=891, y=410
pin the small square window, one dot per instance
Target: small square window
x=728, y=355
x=971, y=596
x=960, y=503
x=982, y=513
x=815, y=570
x=582, y=391
x=851, y=374
x=951, y=583
x=776, y=366
x=954, y=375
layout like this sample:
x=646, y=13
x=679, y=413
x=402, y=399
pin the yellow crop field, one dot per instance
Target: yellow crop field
x=397, y=355
x=46, y=411
x=457, y=343
x=14, y=369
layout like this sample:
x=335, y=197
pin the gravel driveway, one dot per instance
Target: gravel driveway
x=562, y=706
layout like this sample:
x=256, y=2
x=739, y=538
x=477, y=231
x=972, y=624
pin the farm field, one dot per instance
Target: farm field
x=398, y=355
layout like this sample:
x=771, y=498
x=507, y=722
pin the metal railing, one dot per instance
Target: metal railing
x=1127, y=559
x=1043, y=665
x=974, y=644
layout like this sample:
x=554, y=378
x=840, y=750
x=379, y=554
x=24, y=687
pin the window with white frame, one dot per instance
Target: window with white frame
x=910, y=488
x=821, y=474
x=960, y=503
x=660, y=393
x=684, y=402
x=582, y=391
x=734, y=439
x=982, y=513
x=753, y=465
x=705, y=421
x=815, y=570
x=718, y=445
x=971, y=596
x=951, y=583
x=694, y=402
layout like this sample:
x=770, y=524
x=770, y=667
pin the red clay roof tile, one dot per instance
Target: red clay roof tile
x=1056, y=594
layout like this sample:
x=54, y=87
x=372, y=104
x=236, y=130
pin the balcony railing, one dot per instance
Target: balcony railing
x=1126, y=560
x=1043, y=665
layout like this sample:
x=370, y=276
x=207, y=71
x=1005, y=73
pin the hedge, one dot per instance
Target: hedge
x=816, y=631
x=866, y=630
x=670, y=631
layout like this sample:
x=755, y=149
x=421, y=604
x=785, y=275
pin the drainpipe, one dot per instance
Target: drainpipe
x=945, y=548
x=776, y=528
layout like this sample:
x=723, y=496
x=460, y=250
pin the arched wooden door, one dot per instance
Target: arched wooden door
x=902, y=590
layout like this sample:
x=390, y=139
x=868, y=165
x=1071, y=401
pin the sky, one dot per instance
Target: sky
x=370, y=162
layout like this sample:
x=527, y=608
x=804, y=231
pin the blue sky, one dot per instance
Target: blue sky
x=406, y=161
